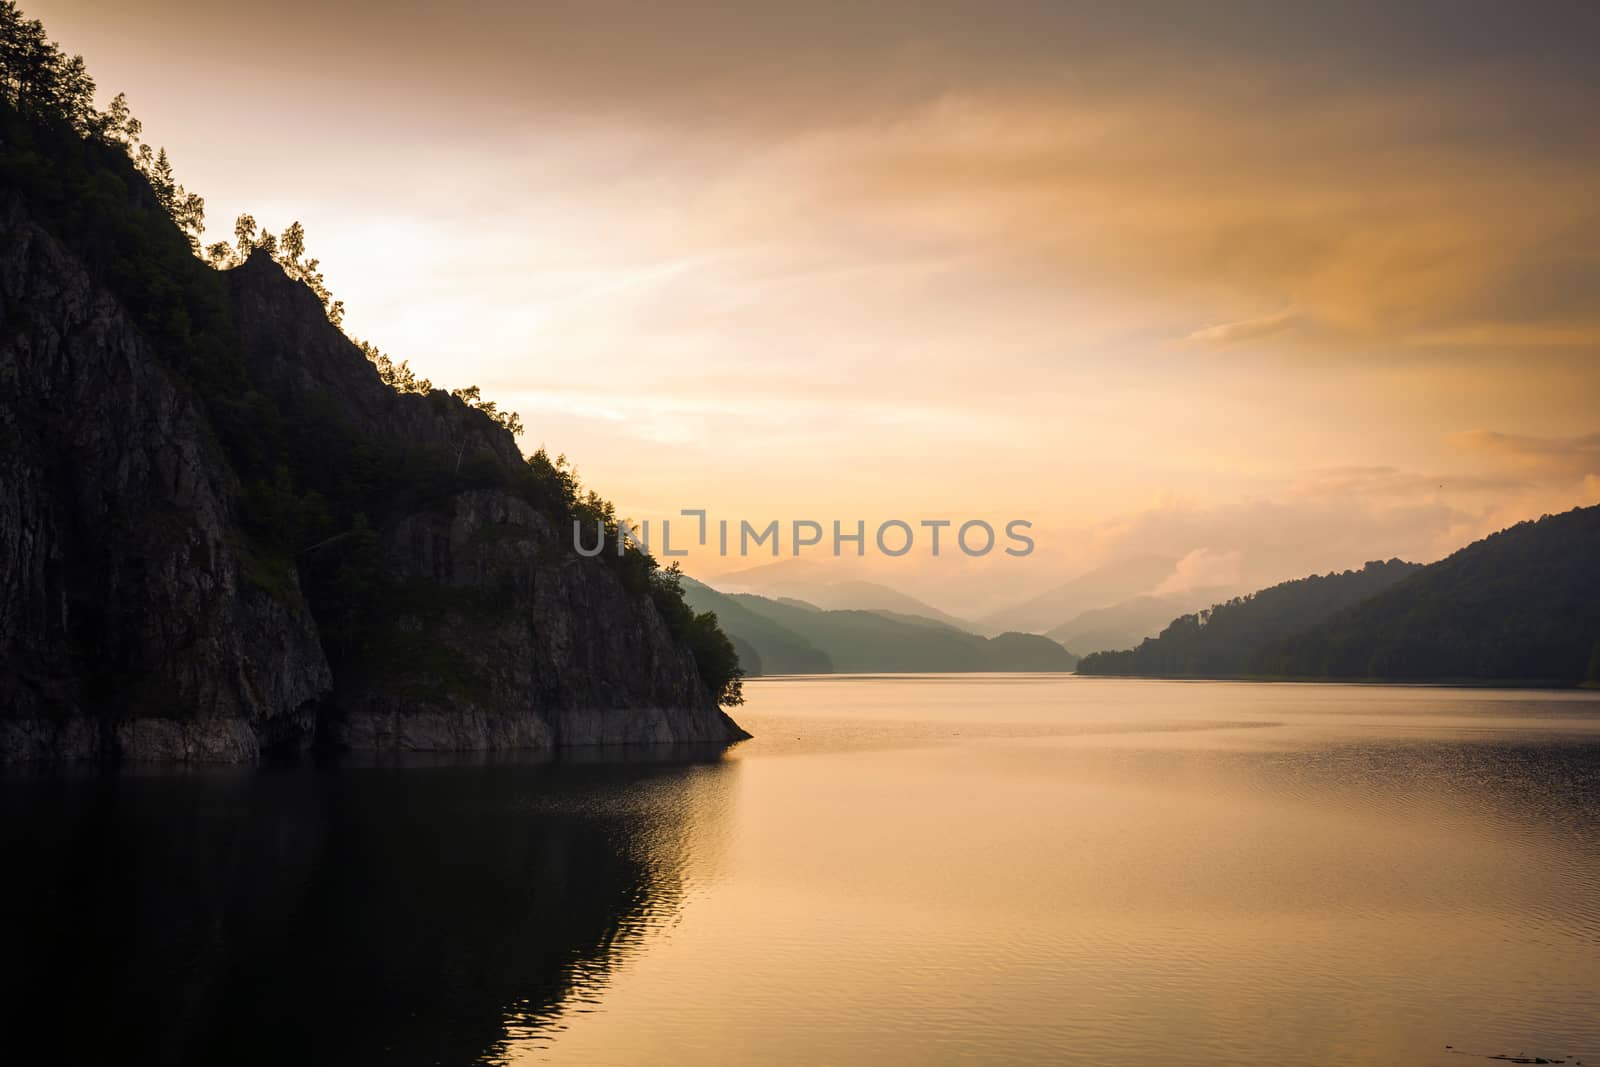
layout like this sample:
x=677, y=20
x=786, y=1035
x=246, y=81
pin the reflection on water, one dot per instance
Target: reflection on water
x=1022, y=869
x=418, y=913
x=1047, y=870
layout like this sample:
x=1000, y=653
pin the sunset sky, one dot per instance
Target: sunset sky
x=1267, y=287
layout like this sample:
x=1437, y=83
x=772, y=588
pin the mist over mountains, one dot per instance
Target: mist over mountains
x=790, y=636
x=1126, y=623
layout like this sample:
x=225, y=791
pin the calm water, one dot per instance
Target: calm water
x=999, y=868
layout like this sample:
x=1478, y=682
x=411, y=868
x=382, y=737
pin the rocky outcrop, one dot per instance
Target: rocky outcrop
x=502, y=638
x=126, y=626
x=295, y=354
x=140, y=622
x=493, y=634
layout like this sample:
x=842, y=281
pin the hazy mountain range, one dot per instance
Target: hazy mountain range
x=1126, y=623
x=790, y=636
x=1109, y=584
x=813, y=582
x=1115, y=605
x=1520, y=606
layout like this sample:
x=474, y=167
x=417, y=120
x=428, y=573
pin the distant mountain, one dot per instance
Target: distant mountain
x=1105, y=585
x=1224, y=640
x=749, y=658
x=794, y=637
x=871, y=596
x=1522, y=605
x=764, y=646
x=1012, y=651
x=782, y=581
x=1125, y=624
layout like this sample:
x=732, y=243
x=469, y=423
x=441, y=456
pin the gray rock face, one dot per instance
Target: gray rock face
x=126, y=629
x=516, y=642
x=129, y=628
x=499, y=636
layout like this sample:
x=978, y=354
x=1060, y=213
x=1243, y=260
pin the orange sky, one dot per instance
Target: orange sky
x=1272, y=288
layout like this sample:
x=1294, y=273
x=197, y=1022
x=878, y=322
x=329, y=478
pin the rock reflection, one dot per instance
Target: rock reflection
x=408, y=912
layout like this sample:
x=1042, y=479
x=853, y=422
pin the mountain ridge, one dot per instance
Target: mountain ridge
x=1127, y=622
x=853, y=641
x=1519, y=606
x=1221, y=641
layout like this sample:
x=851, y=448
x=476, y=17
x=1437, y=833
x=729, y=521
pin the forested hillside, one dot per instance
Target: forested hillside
x=1520, y=606
x=1224, y=640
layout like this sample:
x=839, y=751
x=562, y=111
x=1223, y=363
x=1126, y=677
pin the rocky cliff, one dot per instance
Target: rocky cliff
x=126, y=626
x=146, y=614
x=497, y=617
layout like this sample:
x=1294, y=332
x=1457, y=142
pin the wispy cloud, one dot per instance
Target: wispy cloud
x=1224, y=333
x=1556, y=457
x=1203, y=568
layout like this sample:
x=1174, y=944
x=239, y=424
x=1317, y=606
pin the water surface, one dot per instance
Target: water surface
x=1023, y=869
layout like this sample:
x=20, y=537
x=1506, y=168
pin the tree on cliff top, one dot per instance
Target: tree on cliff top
x=45, y=84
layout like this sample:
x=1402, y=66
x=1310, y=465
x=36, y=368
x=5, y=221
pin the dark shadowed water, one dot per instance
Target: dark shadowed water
x=958, y=869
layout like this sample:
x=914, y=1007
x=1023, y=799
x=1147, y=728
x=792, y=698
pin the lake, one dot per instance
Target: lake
x=929, y=869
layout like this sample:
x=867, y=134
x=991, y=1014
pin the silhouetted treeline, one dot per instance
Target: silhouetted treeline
x=1224, y=640
x=1520, y=606
x=49, y=87
x=288, y=250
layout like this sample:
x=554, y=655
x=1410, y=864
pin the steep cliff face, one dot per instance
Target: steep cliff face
x=489, y=632
x=500, y=637
x=142, y=620
x=127, y=627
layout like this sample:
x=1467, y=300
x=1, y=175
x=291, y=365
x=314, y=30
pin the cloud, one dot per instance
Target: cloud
x=1546, y=457
x=1393, y=483
x=1261, y=540
x=1224, y=333
x=1203, y=568
x=1370, y=216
